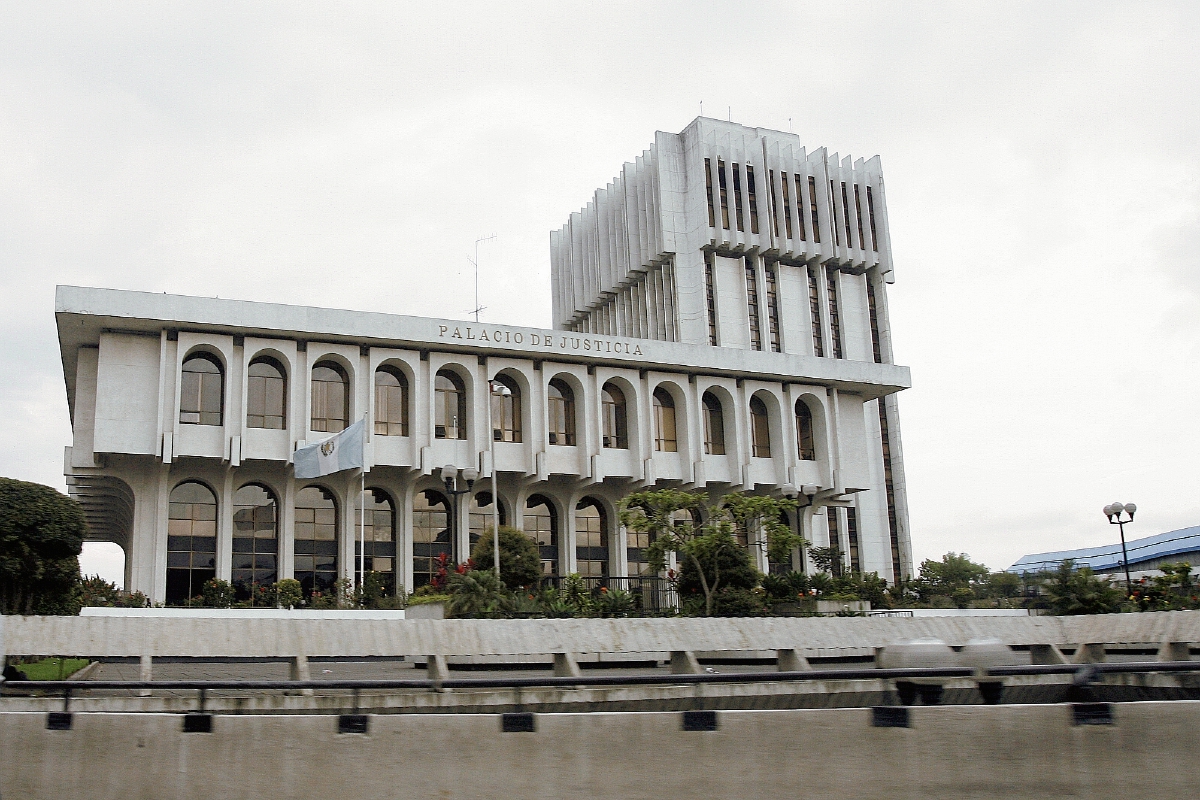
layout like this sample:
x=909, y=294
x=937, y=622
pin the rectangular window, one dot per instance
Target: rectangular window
x=800, y=208
x=862, y=245
x=814, y=311
x=787, y=204
x=724, y=194
x=712, y=216
x=837, y=237
x=714, y=428
x=835, y=539
x=812, y=205
x=835, y=326
x=711, y=298
x=752, y=305
x=871, y=218
x=890, y=491
x=773, y=305
x=846, y=216
x=737, y=195
x=774, y=210
x=852, y=535
x=875, y=349
x=754, y=198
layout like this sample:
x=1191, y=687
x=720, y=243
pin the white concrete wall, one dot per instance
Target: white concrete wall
x=1019, y=751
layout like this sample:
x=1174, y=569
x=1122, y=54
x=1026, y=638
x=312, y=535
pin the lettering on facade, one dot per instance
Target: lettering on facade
x=547, y=341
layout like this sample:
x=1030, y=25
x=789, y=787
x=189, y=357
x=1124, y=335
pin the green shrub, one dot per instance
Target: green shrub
x=477, y=593
x=613, y=602
x=218, y=593
x=288, y=592
x=520, y=562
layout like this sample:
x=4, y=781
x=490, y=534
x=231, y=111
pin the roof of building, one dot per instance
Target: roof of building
x=1108, y=557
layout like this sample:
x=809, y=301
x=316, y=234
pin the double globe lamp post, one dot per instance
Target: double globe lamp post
x=1113, y=512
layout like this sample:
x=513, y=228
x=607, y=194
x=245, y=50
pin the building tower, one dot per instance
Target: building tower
x=737, y=237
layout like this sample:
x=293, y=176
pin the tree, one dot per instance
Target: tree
x=1072, y=591
x=956, y=576
x=41, y=536
x=708, y=550
x=520, y=562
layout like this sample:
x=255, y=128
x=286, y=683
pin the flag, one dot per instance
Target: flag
x=344, y=451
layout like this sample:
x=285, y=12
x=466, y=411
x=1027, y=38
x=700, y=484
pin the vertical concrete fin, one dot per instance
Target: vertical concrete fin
x=683, y=662
x=565, y=666
x=791, y=661
x=1175, y=651
x=1046, y=654
x=1090, y=653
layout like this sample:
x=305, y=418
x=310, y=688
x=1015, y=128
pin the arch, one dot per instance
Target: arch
x=450, y=405
x=330, y=396
x=506, y=408
x=266, y=393
x=391, y=401
x=479, y=516
x=202, y=389
x=591, y=538
x=376, y=512
x=560, y=412
x=541, y=525
x=317, y=538
x=255, y=539
x=760, y=428
x=431, y=534
x=806, y=441
x=614, y=413
x=714, y=424
x=191, y=540
x=666, y=437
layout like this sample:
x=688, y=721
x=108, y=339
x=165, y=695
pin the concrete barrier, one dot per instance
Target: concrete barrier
x=809, y=636
x=1148, y=750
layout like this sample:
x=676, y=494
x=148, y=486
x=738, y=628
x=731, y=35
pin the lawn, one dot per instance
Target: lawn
x=52, y=669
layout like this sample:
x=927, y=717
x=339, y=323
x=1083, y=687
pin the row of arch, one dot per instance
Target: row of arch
x=256, y=558
x=202, y=403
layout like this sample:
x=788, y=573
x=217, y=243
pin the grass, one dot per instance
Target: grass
x=52, y=669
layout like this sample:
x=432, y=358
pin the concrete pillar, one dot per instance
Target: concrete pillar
x=683, y=662
x=565, y=666
x=791, y=661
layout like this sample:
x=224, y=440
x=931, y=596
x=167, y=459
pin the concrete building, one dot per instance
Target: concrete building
x=720, y=318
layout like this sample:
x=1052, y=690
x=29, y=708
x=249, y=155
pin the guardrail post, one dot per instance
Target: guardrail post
x=683, y=662
x=791, y=661
x=565, y=666
x=145, y=673
x=1046, y=654
x=1090, y=653
x=298, y=671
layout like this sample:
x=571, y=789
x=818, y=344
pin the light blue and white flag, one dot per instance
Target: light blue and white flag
x=344, y=451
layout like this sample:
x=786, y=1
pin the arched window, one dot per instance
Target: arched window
x=760, y=430
x=255, y=539
x=266, y=394
x=560, y=408
x=378, y=522
x=316, y=549
x=714, y=425
x=806, y=444
x=541, y=525
x=612, y=407
x=330, y=397
x=391, y=402
x=506, y=410
x=201, y=390
x=479, y=518
x=431, y=535
x=664, y=422
x=591, y=539
x=449, y=406
x=636, y=543
x=191, y=541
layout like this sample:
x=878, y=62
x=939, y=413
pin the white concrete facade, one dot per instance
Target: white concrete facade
x=134, y=442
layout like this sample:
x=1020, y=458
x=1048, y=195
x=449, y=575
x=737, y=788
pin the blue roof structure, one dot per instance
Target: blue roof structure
x=1108, y=557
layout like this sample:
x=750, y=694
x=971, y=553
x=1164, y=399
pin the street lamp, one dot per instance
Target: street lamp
x=450, y=478
x=1113, y=512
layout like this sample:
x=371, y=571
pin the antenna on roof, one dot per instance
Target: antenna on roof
x=475, y=263
x=790, y=125
x=730, y=113
x=702, y=108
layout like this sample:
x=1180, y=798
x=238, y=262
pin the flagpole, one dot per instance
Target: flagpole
x=362, y=516
x=495, y=493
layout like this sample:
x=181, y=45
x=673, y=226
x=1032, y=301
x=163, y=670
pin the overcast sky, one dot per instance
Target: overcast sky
x=1041, y=163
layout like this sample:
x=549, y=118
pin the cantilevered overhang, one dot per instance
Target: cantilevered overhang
x=83, y=314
